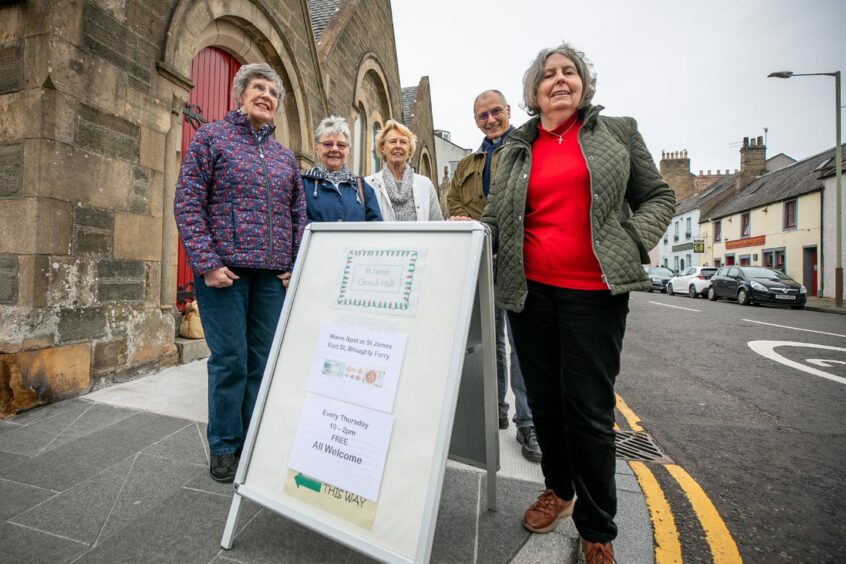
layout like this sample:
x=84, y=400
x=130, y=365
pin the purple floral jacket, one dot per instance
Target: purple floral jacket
x=239, y=200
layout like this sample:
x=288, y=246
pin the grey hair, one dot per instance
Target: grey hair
x=248, y=73
x=534, y=75
x=332, y=125
x=485, y=93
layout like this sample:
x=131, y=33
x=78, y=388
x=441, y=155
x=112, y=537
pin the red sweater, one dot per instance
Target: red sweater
x=557, y=241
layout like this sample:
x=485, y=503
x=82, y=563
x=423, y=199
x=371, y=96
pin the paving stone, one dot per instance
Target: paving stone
x=6, y=426
x=18, y=498
x=102, y=505
x=45, y=411
x=8, y=459
x=455, y=531
x=151, y=482
x=186, y=527
x=634, y=538
x=627, y=484
x=19, y=544
x=271, y=538
x=29, y=439
x=79, y=513
x=501, y=532
x=186, y=445
x=561, y=545
x=78, y=460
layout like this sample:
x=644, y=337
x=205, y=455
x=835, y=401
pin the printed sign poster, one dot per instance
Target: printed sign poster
x=381, y=280
x=357, y=365
x=346, y=505
x=342, y=444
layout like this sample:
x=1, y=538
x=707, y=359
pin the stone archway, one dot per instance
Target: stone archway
x=373, y=96
x=243, y=29
x=425, y=165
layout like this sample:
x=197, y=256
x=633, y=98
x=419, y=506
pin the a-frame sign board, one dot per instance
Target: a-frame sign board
x=354, y=421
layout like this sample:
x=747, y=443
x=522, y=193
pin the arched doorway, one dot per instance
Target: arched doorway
x=212, y=72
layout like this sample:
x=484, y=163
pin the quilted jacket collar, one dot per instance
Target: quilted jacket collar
x=237, y=118
x=528, y=132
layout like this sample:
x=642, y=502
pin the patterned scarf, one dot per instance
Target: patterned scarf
x=333, y=176
x=401, y=196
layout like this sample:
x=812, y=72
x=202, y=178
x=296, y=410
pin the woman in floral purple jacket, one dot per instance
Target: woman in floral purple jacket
x=240, y=210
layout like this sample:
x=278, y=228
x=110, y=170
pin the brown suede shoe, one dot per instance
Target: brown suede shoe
x=543, y=515
x=597, y=553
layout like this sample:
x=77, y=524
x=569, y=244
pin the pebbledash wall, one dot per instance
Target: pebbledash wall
x=91, y=116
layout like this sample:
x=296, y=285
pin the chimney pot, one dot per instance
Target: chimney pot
x=760, y=140
x=709, y=172
x=745, y=141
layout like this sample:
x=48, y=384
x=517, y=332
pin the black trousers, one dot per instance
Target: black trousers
x=569, y=344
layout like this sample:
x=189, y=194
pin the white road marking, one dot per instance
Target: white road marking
x=767, y=349
x=824, y=362
x=794, y=328
x=677, y=307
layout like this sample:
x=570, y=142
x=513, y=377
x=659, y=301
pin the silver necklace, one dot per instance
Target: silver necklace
x=566, y=131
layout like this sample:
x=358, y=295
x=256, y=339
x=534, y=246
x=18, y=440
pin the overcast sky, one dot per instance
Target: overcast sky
x=693, y=73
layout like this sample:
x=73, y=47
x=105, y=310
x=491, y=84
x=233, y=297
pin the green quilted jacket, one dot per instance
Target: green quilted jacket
x=631, y=204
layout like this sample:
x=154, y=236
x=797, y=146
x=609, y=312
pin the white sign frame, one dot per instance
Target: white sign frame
x=471, y=276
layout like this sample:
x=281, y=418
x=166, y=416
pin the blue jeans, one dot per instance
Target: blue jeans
x=239, y=322
x=522, y=413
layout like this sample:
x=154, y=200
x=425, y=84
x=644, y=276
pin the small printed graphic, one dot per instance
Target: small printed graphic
x=333, y=368
x=303, y=481
x=371, y=377
x=381, y=279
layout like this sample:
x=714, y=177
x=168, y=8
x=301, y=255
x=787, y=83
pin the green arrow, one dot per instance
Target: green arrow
x=305, y=482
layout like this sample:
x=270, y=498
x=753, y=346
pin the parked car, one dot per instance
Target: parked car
x=694, y=282
x=755, y=284
x=659, y=277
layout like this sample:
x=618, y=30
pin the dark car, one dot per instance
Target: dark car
x=756, y=285
x=659, y=276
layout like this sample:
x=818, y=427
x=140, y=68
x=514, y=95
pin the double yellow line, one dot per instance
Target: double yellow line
x=667, y=544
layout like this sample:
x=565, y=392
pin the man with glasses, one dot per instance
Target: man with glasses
x=468, y=193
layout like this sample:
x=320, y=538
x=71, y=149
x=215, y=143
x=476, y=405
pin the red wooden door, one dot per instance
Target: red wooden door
x=212, y=71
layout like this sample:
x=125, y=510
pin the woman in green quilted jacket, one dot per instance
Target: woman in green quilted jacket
x=576, y=203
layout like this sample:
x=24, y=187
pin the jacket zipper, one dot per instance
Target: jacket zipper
x=269, y=198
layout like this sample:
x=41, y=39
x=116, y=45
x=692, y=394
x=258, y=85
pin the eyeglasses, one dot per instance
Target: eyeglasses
x=494, y=113
x=339, y=144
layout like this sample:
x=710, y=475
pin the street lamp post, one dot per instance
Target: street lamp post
x=838, y=164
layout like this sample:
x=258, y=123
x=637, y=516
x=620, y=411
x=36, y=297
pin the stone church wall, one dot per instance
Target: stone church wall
x=91, y=98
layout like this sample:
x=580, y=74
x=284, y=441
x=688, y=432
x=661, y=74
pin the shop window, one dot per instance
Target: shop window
x=774, y=258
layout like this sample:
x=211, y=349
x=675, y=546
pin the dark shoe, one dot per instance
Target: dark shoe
x=531, y=449
x=503, y=422
x=222, y=467
x=543, y=515
x=597, y=553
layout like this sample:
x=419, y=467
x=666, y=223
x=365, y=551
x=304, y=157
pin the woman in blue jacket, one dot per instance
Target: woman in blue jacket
x=332, y=192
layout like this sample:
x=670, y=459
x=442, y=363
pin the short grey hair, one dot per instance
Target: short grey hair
x=332, y=125
x=248, y=73
x=534, y=75
x=493, y=91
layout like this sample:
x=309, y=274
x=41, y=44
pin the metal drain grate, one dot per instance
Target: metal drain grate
x=639, y=445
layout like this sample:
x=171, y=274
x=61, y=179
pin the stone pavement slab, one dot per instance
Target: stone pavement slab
x=101, y=481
